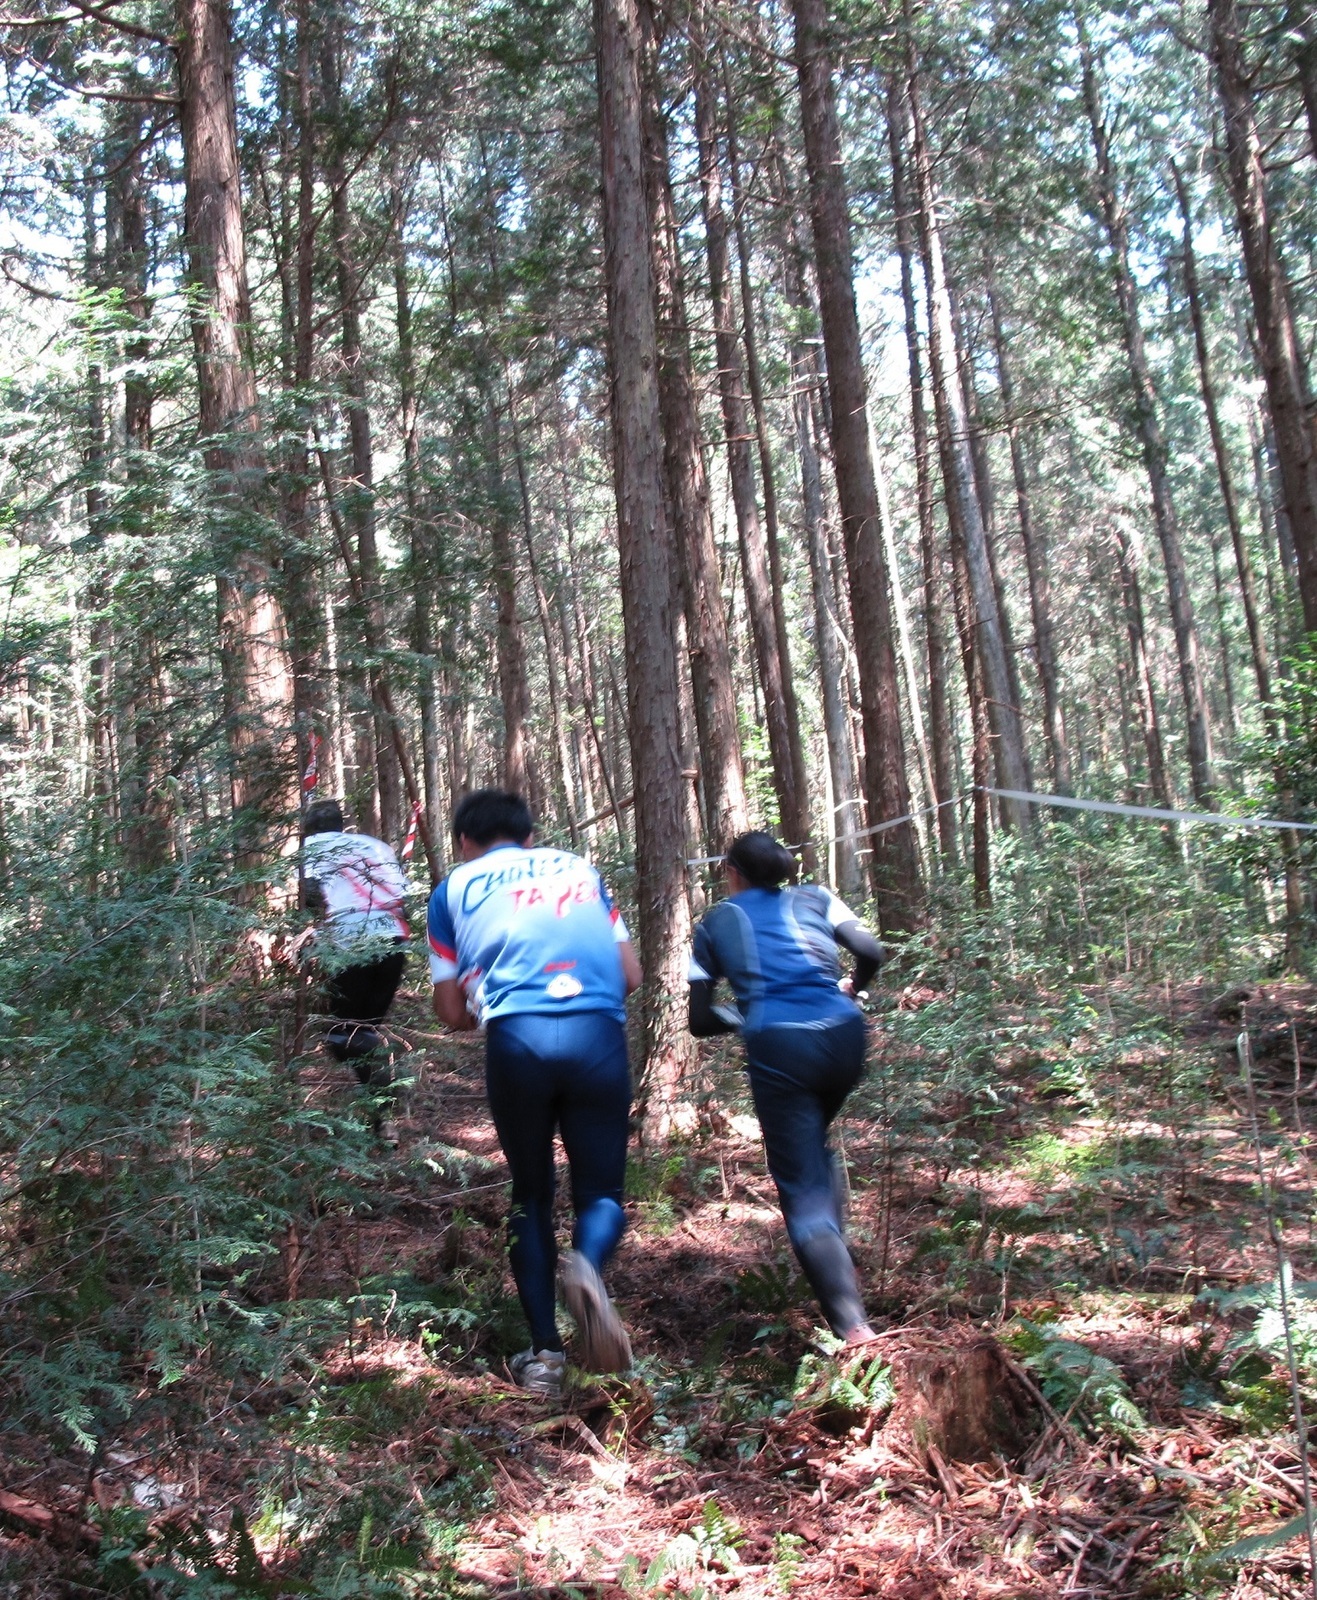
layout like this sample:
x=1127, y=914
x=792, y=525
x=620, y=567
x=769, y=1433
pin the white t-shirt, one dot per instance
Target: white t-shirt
x=363, y=886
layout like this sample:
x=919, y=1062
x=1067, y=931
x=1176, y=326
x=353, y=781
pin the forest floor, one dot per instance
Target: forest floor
x=741, y=1458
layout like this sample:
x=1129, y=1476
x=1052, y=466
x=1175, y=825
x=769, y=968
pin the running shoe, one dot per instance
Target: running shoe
x=606, y=1346
x=539, y=1371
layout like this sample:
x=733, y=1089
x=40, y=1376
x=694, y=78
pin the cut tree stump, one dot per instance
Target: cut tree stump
x=958, y=1399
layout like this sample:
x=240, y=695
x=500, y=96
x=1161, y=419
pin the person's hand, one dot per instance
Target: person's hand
x=847, y=988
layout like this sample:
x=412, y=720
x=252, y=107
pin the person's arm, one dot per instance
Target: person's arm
x=449, y=999
x=632, y=976
x=631, y=973
x=851, y=934
x=450, y=1006
x=868, y=953
x=311, y=897
x=706, y=1020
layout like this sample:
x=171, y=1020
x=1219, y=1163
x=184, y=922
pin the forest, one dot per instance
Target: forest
x=887, y=423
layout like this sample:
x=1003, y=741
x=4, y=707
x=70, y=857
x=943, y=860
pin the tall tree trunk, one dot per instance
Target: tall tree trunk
x=513, y=682
x=1198, y=736
x=359, y=496
x=1278, y=341
x=898, y=890
x=831, y=643
x=987, y=498
x=1290, y=850
x=1243, y=561
x=420, y=531
x=649, y=583
x=772, y=543
x=1223, y=637
x=980, y=723
x=939, y=712
x=712, y=683
x=258, y=689
x=774, y=669
x=306, y=629
x=1305, y=67
x=589, y=694
x=552, y=672
x=1143, y=684
x=963, y=508
x=1036, y=565
x=141, y=750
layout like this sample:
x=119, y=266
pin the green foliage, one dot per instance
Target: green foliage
x=158, y=1147
x=1246, y=1377
x=714, y=1541
x=1077, y=1381
x=767, y=1286
x=787, y=1548
x=831, y=1381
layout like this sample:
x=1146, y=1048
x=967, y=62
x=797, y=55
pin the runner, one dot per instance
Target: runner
x=804, y=1043
x=354, y=885
x=526, y=943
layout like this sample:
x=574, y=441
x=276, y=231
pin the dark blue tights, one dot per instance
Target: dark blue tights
x=800, y=1077
x=567, y=1072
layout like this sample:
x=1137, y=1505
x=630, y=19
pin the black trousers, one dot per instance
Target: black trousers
x=363, y=994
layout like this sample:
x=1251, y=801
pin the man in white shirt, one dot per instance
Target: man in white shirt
x=356, y=888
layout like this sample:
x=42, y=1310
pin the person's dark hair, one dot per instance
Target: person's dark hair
x=488, y=816
x=761, y=860
x=322, y=816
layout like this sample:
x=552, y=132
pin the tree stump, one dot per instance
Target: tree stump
x=961, y=1396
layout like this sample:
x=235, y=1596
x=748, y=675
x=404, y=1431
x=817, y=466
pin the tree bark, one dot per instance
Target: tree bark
x=963, y=508
x=939, y=713
x=831, y=645
x=140, y=751
x=898, y=890
x=1147, y=696
x=1243, y=561
x=1198, y=736
x=514, y=686
x=1036, y=565
x=258, y=689
x=420, y=534
x=713, y=688
x=306, y=628
x=1278, y=341
x=359, y=496
x=987, y=498
x=649, y=585
x=799, y=803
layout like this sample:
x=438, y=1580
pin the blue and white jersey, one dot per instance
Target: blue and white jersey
x=777, y=950
x=528, y=930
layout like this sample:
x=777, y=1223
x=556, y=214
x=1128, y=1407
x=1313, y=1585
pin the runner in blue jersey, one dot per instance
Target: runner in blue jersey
x=804, y=1042
x=525, y=942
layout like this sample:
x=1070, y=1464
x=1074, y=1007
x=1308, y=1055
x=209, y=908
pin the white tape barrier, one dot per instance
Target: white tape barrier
x=1213, y=819
x=1108, y=807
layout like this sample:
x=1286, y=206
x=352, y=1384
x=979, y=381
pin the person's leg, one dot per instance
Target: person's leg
x=593, y=1110
x=593, y=1106
x=799, y=1078
x=364, y=993
x=521, y=1100
x=360, y=996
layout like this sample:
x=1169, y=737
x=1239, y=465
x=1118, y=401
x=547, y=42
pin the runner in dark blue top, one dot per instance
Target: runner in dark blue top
x=526, y=943
x=804, y=1043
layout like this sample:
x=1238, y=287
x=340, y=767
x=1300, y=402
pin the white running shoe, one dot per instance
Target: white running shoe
x=539, y=1371
x=605, y=1342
